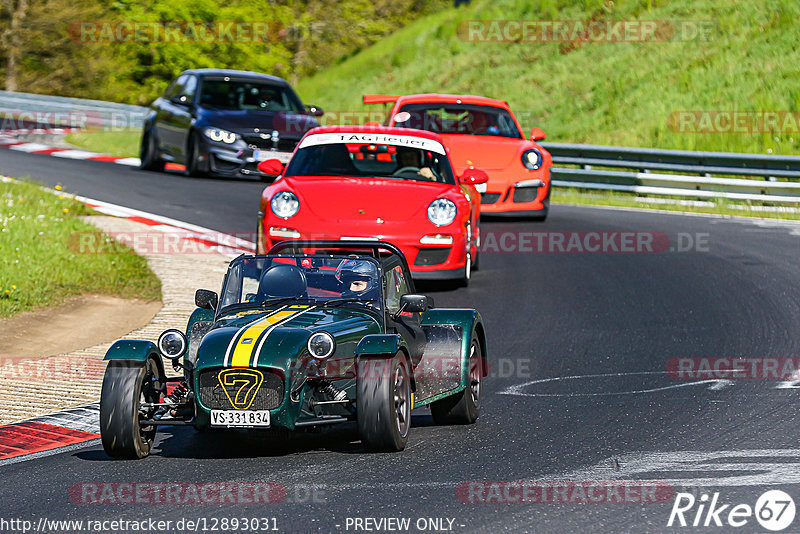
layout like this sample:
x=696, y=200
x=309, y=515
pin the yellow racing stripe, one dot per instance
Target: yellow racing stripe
x=243, y=351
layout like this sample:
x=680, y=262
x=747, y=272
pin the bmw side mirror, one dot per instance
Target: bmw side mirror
x=203, y=298
x=537, y=134
x=414, y=303
x=315, y=111
x=180, y=100
x=271, y=167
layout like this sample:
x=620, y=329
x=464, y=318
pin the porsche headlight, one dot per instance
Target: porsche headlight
x=284, y=204
x=224, y=136
x=442, y=211
x=172, y=344
x=532, y=159
x=321, y=345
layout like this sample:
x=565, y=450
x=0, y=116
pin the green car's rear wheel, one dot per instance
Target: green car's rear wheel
x=383, y=403
x=126, y=386
x=464, y=407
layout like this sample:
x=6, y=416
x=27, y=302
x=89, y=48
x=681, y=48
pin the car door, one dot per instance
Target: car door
x=183, y=116
x=175, y=116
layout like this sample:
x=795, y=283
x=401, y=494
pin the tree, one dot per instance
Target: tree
x=15, y=12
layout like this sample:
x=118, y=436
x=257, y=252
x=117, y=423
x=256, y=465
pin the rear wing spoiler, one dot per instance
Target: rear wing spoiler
x=381, y=99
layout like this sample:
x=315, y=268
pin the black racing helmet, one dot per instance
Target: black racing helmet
x=355, y=270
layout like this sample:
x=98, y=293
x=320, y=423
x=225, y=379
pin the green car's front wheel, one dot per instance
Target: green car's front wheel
x=383, y=403
x=126, y=385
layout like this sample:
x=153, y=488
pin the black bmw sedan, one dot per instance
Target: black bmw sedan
x=224, y=122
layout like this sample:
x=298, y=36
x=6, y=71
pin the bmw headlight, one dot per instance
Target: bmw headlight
x=172, y=344
x=321, y=345
x=224, y=136
x=284, y=204
x=532, y=159
x=442, y=211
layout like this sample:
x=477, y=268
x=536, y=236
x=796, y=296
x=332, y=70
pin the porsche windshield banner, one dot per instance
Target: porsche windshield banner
x=382, y=139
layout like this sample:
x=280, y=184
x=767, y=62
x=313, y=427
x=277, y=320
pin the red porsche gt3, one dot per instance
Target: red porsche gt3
x=483, y=132
x=389, y=184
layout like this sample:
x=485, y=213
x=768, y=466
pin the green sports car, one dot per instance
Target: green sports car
x=312, y=333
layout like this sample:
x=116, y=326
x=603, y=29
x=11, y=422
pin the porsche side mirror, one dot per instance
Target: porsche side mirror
x=537, y=134
x=203, y=298
x=271, y=167
x=473, y=176
x=315, y=111
x=414, y=303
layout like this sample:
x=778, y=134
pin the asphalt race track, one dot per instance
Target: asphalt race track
x=568, y=317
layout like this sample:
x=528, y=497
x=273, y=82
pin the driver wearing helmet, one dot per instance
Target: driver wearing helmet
x=359, y=278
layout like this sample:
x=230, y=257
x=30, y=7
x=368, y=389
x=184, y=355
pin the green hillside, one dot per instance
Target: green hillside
x=620, y=93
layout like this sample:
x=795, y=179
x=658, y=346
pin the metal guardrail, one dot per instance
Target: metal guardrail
x=60, y=111
x=682, y=173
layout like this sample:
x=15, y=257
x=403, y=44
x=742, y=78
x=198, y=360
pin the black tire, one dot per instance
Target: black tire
x=383, y=403
x=125, y=386
x=476, y=263
x=149, y=158
x=464, y=407
x=193, y=166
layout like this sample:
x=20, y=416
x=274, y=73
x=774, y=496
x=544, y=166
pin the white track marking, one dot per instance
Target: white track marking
x=130, y=162
x=794, y=383
x=766, y=467
x=73, y=154
x=517, y=389
x=29, y=147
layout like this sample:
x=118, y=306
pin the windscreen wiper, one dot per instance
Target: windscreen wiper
x=337, y=302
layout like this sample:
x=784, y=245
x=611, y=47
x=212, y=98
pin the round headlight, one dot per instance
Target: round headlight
x=216, y=134
x=172, y=344
x=321, y=345
x=284, y=204
x=442, y=211
x=532, y=159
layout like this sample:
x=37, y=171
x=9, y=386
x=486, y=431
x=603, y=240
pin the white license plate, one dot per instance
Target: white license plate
x=261, y=155
x=481, y=188
x=243, y=418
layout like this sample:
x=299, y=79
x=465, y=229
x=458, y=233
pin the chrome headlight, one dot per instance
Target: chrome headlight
x=532, y=159
x=321, y=345
x=223, y=136
x=442, y=211
x=172, y=343
x=284, y=204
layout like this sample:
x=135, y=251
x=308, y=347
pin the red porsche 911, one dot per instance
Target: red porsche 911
x=389, y=184
x=483, y=132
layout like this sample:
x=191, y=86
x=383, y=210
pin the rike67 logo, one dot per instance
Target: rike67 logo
x=774, y=510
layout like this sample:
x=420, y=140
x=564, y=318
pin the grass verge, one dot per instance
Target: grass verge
x=123, y=143
x=38, y=265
